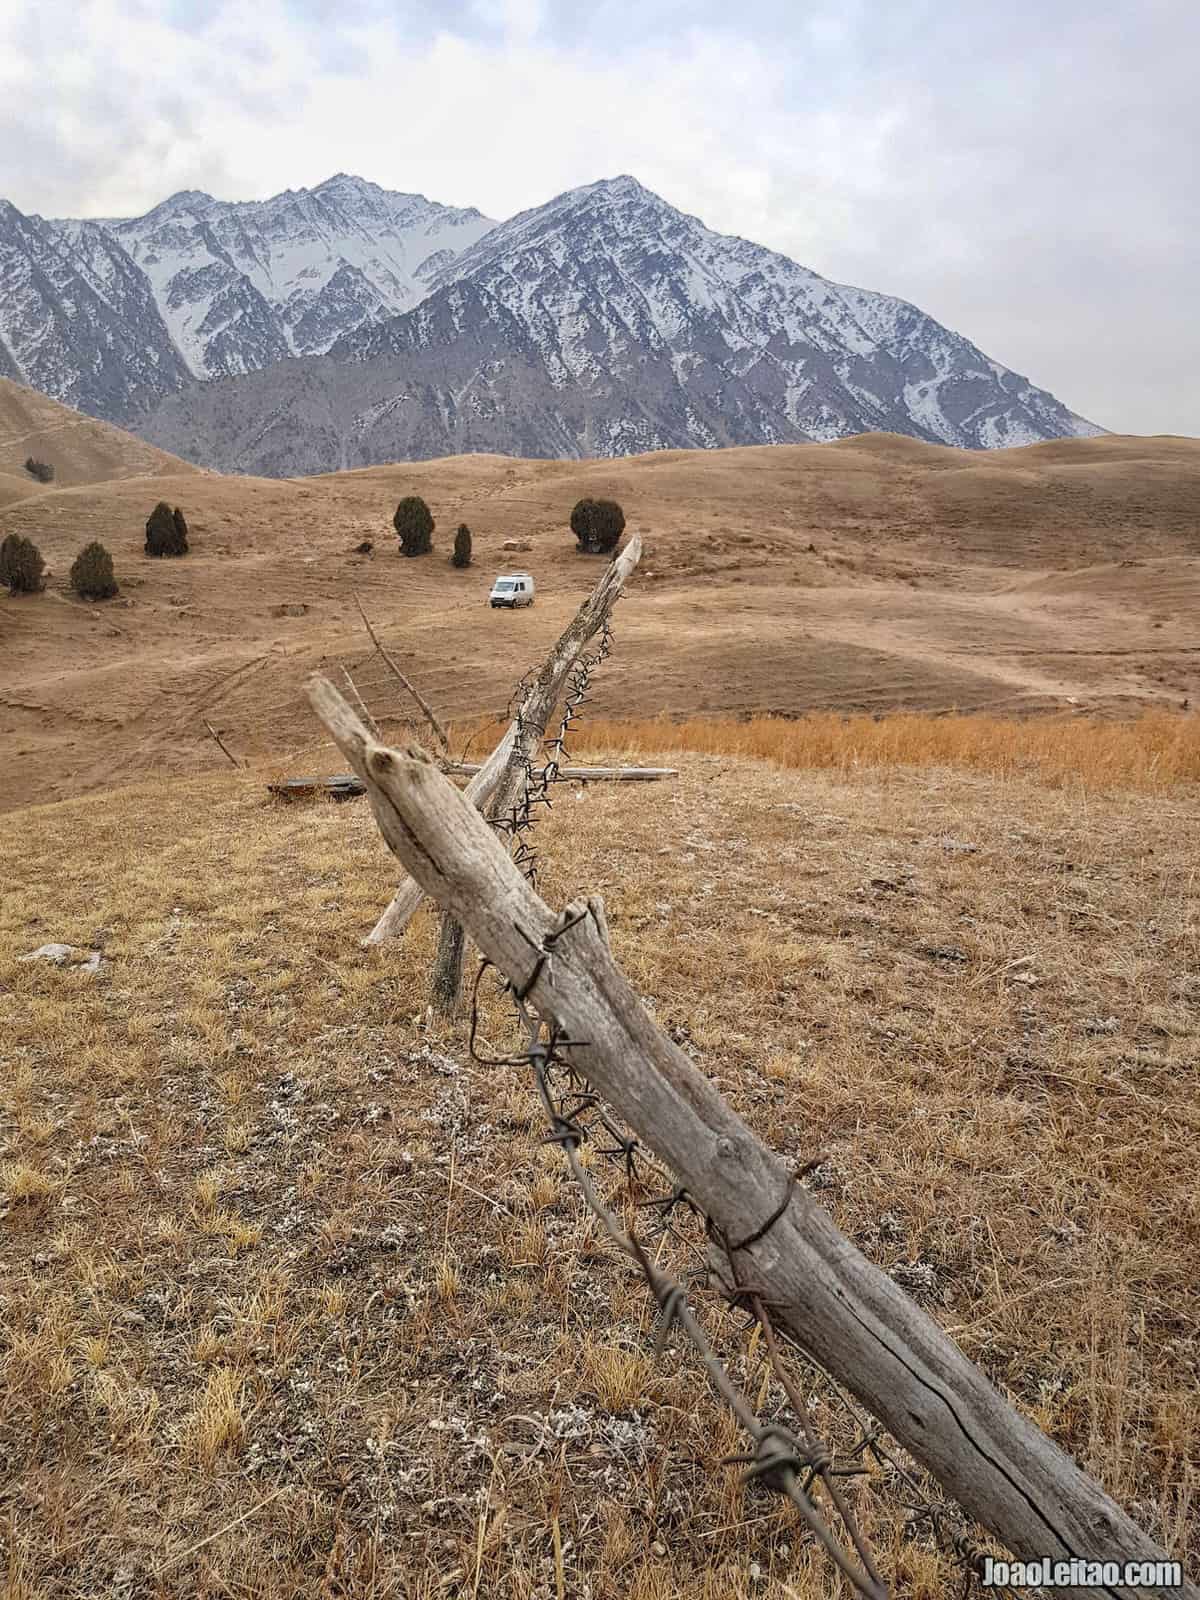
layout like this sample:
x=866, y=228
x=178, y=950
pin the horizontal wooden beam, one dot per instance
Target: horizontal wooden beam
x=583, y=774
x=344, y=785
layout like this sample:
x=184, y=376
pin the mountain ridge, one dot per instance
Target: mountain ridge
x=604, y=322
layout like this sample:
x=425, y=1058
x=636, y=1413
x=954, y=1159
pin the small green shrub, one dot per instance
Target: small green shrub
x=92, y=573
x=414, y=526
x=462, y=547
x=21, y=565
x=598, y=525
x=41, y=470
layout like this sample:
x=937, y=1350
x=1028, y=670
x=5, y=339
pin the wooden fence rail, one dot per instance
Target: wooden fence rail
x=533, y=713
x=494, y=787
x=851, y=1317
x=462, y=769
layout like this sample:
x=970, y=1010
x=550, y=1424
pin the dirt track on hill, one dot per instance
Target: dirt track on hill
x=871, y=574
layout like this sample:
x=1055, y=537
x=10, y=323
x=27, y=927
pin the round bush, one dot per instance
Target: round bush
x=92, y=573
x=414, y=525
x=166, y=531
x=598, y=525
x=21, y=565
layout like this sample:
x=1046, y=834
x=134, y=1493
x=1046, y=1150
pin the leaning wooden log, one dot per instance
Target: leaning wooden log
x=459, y=769
x=409, y=895
x=537, y=703
x=543, y=693
x=852, y=1318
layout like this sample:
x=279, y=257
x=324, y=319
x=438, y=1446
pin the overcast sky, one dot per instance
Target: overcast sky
x=1028, y=173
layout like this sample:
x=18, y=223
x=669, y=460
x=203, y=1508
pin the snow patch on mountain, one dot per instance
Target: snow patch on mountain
x=241, y=284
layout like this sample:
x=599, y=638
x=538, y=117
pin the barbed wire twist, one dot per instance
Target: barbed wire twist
x=517, y=824
x=784, y=1460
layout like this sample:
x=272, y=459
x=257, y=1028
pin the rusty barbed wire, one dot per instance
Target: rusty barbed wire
x=780, y=1457
x=575, y=1111
x=517, y=824
x=788, y=1461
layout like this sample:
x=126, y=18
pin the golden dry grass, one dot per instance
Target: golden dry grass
x=296, y=1303
x=1153, y=752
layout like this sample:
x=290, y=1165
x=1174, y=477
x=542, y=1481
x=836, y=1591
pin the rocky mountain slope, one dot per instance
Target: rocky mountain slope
x=78, y=319
x=109, y=315
x=244, y=284
x=603, y=323
x=606, y=277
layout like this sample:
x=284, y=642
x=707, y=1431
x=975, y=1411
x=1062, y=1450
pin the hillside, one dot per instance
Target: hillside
x=868, y=574
x=300, y=1303
x=81, y=449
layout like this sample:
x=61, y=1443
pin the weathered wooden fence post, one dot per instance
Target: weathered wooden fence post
x=851, y=1317
x=410, y=894
x=507, y=762
x=534, y=712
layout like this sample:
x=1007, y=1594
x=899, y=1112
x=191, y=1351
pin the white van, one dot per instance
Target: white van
x=512, y=589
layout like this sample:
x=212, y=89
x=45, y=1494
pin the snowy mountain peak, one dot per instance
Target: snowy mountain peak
x=611, y=293
x=241, y=284
x=344, y=180
x=186, y=203
x=622, y=187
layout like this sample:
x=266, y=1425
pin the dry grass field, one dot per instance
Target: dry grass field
x=82, y=450
x=297, y=1303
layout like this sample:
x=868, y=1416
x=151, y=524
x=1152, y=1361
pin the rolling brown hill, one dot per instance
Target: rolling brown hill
x=81, y=449
x=869, y=574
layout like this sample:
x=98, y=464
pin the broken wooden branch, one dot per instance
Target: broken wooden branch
x=430, y=715
x=851, y=1317
x=533, y=714
x=410, y=894
x=224, y=747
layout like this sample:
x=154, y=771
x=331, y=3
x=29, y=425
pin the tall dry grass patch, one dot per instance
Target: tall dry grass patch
x=1149, y=753
x=298, y=1303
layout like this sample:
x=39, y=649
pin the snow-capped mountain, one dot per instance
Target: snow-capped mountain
x=344, y=325
x=606, y=277
x=240, y=285
x=110, y=314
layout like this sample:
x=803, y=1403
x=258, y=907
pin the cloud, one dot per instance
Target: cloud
x=1022, y=173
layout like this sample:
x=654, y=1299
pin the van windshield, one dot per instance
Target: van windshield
x=504, y=583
